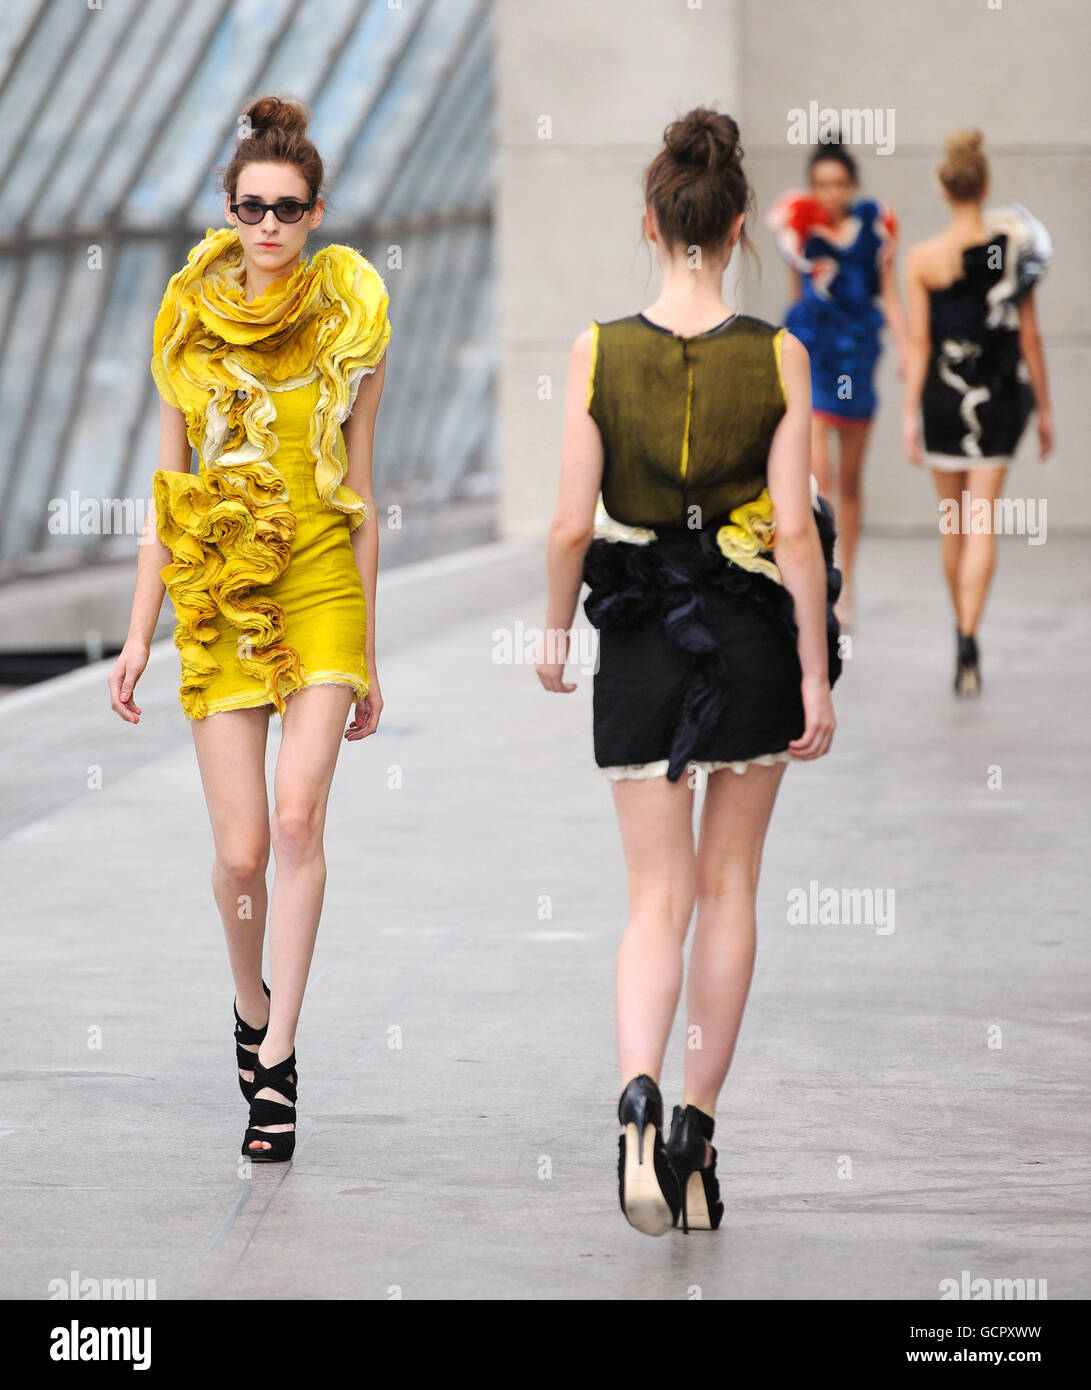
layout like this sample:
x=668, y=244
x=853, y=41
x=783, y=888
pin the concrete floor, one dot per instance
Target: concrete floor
x=457, y=1082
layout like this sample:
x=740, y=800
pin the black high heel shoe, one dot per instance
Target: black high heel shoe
x=647, y=1188
x=280, y=1077
x=245, y=1033
x=701, y=1205
x=967, y=671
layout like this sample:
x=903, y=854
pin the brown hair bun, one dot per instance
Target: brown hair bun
x=964, y=171
x=695, y=184
x=274, y=130
x=271, y=113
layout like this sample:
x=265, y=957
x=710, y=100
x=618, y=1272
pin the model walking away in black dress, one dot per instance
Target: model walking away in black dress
x=709, y=560
x=976, y=371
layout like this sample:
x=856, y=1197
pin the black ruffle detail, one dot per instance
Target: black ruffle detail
x=630, y=582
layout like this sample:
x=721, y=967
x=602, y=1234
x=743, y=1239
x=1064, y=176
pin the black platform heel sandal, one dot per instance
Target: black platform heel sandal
x=280, y=1077
x=967, y=670
x=647, y=1188
x=245, y=1033
x=701, y=1205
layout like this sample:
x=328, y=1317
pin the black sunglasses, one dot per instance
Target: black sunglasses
x=252, y=211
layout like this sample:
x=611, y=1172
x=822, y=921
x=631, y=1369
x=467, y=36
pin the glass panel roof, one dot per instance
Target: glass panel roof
x=113, y=123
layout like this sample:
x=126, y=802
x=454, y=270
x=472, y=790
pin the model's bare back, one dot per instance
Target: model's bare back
x=937, y=262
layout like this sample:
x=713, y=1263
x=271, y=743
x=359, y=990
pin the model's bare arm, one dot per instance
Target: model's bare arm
x=1030, y=345
x=175, y=456
x=359, y=433
x=798, y=548
x=918, y=347
x=573, y=525
x=893, y=312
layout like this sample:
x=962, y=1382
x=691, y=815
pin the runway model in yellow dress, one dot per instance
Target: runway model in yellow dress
x=271, y=366
x=263, y=578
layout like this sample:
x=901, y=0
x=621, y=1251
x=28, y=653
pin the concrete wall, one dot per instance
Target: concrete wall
x=610, y=76
x=569, y=247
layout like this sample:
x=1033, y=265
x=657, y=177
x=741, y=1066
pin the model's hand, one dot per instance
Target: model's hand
x=911, y=440
x=368, y=709
x=1045, y=434
x=551, y=673
x=128, y=669
x=820, y=723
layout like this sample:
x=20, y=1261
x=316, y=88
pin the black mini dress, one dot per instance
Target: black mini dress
x=698, y=663
x=977, y=398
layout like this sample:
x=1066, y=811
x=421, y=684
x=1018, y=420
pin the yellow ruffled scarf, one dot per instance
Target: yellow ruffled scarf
x=219, y=353
x=229, y=528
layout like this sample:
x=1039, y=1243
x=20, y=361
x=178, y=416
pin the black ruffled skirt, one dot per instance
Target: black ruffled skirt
x=698, y=658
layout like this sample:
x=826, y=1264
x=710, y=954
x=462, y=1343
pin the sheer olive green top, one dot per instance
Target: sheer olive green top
x=685, y=422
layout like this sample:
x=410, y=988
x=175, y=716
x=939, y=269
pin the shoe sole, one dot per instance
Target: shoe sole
x=645, y=1206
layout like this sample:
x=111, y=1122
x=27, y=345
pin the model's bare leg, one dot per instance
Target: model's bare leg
x=230, y=746
x=821, y=464
x=734, y=819
x=311, y=738
x=850, y=479
x=655, y=817
x=978, y=559
x=949, y=488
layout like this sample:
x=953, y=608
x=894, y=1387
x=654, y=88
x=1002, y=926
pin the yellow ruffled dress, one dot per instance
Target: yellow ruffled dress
x=263, y=576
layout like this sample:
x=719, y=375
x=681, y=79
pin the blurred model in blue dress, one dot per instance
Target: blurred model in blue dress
x=840, y=250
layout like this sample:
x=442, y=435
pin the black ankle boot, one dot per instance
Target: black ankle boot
x=701, y=1205
x=647, y=1188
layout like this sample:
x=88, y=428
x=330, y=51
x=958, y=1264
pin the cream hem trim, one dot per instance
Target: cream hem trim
x=959, y=463
x=638, y=771
x=318, y=678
